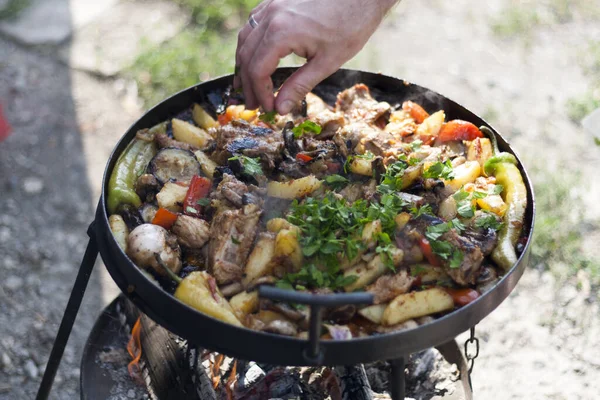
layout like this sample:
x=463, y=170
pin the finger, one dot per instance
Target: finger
x=247, y=62
x=301, y=82
x=242, y=36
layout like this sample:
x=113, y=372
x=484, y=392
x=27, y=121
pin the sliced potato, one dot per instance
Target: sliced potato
x=202, y=118
x=402, y=219
x=428, y=273
x=411, y=174
x=294, y=189
x=431, y=125
x=288, y=247
x=480, y=150
x=416, y=304
x=208, y=166
x=190, y=134
x=244, y=303
x=367, y=273
x=277, y=224
x=196, y=291
x=463, y=174
x=119, y=230
x=493, y=203
x=361, y=166
x=373, y=313
x=171, y=196
x=259, y=262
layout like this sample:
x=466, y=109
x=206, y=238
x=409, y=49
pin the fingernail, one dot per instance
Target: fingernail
x=286, y=107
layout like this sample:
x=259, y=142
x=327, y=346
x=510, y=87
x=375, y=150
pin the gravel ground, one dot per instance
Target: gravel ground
x=541, y=343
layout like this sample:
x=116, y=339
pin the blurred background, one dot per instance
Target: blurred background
x=74, y=74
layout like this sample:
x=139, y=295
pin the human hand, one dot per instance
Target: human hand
x=327, y=33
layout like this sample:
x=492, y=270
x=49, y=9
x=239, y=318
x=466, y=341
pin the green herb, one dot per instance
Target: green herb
x=385, y=248
x=425, y=209
x=391, y=180
x=191, y=210
x=251, y=166
x=268, y=117
x=336, y=181
x=440, y=170
x=488, y=221
x=416, y=144
x=497, y=189
x=457, y=258
x=479, y=195
x=461, y=195
x=465, y=209
x=282, y=284
x=417, y=270
x=306, y=127
x=459, y=226
x=204, y=202
x=234, y=240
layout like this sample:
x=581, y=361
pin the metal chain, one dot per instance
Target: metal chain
x=471, y=353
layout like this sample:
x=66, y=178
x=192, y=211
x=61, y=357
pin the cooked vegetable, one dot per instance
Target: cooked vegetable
x=164, y=218
x=244, y=303
x=202, y=118
x=147, y=240
x=288, y=248
x=172, y=196
x=131, y=163
x=190, y=134
x=463, y=174
x=458, y=129
x=293, y=189
x=119, y=230
x=416, y=111
x=462, y=297
x=361, y=166
x=417, y=304
x=174, y=164
x=260, y=260
x=208, y=166
x=191, y=232
x=373, y=313
x=198, y=189
x=431, y=125
x=480, y=150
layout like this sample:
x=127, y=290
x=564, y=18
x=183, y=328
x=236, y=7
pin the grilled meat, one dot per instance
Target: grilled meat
x=191, y=232
x=232, y=234
x=467, y=272
x=357, y=104
x=388, y=287
x=230, y=189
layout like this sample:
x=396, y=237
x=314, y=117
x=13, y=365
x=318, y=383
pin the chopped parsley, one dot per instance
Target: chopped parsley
x=336, y=181
x=497, y=189
x=191, y=210
x=204, y=202
x=416, y=144
x=306, y=127
x=439, y=170
x=234, y=240
x=442, y=248
x=251, y=166
x=391, y=180
x=268, y=117
x=488, y=221
x=425, y=209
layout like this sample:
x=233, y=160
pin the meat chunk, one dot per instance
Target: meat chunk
x=232, y=234
x=357, y=104
x=147, y=186
x=330, y=122
x=191, y=232
x=468, y=271
x=388, y=287
x=231, y=189
x=364, y=137
x=239, y=137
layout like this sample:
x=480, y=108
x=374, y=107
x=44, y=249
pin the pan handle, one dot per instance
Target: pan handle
x=313, y=354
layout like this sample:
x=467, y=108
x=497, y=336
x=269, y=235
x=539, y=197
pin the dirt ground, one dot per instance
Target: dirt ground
x=541, y=343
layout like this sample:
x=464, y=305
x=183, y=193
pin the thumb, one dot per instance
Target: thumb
x=297, y=86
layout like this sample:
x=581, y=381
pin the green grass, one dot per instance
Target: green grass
x=205, y=49
x=579, y=107
x=589, y=60
x=13, y=8
x=557, y=240
x=515, y=21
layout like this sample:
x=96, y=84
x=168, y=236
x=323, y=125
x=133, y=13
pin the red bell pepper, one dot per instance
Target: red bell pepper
x=417, y=112
x=462, y=297
x=199, y=189
x=428, y=252
x=458, y=129
x=164, y=218
x=303, y=157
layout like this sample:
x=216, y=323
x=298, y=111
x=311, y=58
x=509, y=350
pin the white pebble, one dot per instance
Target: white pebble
x=31, y=369
x=131, y=394
x=13, y=282
x=33, y=185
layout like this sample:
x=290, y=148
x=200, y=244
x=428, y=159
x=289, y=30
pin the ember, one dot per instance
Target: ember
x=134, y=348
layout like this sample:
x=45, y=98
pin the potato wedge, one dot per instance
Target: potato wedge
x=259, y=262
x=480, y=150
x=208, y=166
x=171, y=196
x=367, y=273
x=119, y=230
x=244, y=303
x=428, y=273
x=402, y=219
x=373, y=313
x=288, y=247
x=493, y=203
x=202, y=118
x=463, y=174
x=294, y=189
x=361, y=166
x=190, y=134
x=197, y=292
x=431, y=125
x=411, y=174
x=416, y=304
x=277, y=224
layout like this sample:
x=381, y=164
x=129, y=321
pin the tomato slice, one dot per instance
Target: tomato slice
x=462, y=297
x=417, y=112
x=428, y=252
x=458, y=129
x=164, y=218
x=303, y=157
x=199, y=189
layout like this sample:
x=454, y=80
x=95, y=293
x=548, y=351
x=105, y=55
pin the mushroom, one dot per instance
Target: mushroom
x=281, y=327
x=146, y=240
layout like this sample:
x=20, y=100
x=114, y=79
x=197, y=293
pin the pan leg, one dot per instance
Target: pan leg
x=64, y=331
x=397, y=381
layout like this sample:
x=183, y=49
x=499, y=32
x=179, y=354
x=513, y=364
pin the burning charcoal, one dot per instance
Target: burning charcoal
x=250, y=376
x=354, y=383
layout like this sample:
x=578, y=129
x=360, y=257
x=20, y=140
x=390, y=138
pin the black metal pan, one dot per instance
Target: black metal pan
x=210, y=333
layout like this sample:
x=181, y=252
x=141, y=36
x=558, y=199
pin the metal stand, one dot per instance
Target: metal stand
x=397, y=380
x=66, y=325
